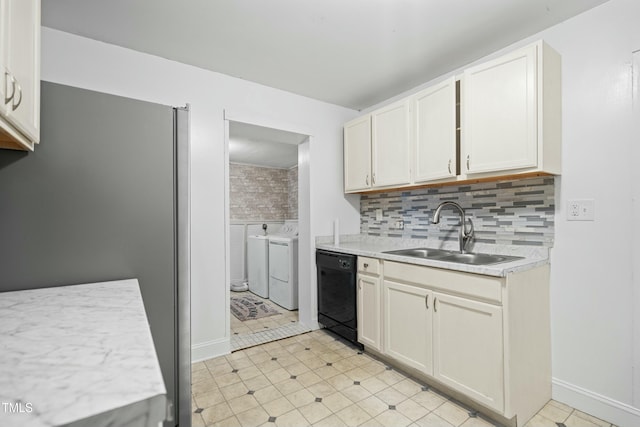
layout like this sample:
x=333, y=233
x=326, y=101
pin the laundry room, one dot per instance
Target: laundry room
x=263, y=215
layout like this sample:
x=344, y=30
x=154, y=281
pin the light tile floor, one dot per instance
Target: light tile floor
x=249, y=333
x=316, y=380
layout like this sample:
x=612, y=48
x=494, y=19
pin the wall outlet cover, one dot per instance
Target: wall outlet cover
x=581, y=210
x=378, y=214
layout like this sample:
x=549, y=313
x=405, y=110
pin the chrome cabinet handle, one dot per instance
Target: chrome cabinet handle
x=367, y=179
x=435, y=302
x=366, y=265
x=373, y=179
x=360, y=284
x=467, y=161
x=8, y=77
x=426, y=301
x=15, y=106
x=449, y=166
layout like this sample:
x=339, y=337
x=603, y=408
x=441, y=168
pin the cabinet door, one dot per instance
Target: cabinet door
x=357, y=154
x=500, y=120
x=22, y=66
x=468, y=349
x=369, y=311
x=390, y=145
x=3, y=51
x=434, y=118
x=407, y=325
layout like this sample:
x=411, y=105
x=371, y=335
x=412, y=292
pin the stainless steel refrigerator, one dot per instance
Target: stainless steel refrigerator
x=105, y=196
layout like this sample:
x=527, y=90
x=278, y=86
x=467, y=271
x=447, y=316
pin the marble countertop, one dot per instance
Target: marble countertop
x=78, y=355
x=375, y=247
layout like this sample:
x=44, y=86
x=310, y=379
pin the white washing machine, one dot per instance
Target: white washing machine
x=258, y=265
x=283, y=266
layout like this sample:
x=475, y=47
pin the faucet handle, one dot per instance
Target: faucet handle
x=470, y=232
x=466, y=235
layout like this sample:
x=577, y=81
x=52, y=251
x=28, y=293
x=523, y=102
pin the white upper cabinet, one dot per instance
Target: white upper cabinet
x=3, y=51
x=377, y=149
x=390, y=145
x=512, y=113
x=505, y=119
x=20, y=40
x=357, y=154
x=434, y=126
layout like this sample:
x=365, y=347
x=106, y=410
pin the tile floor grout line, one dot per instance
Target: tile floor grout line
x=283, y=379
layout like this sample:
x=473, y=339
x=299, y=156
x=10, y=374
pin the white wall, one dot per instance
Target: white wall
x=592, y=283
x=81, y=62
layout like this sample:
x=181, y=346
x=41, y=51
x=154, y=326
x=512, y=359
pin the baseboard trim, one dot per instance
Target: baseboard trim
x=210, y=349
x=313, y=325
x=595, y=404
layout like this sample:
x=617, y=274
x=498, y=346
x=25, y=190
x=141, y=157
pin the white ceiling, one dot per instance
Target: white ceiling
x=261, y=146
x=353, y=53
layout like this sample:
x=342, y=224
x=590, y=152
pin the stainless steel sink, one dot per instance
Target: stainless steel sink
x=451, y=256
x=478, y=259
x=421, y=253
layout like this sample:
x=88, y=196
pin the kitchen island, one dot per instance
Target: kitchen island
x=78, y=355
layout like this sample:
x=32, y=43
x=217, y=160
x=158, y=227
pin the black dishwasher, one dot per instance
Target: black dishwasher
x=337, y=275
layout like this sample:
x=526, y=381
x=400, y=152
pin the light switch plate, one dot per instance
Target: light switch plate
x=378, y=214
x=581, y=210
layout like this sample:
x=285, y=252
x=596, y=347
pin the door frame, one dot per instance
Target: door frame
x=635, y=212
x=307, y=298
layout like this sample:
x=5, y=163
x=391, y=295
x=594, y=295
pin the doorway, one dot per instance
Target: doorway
x=263, y=253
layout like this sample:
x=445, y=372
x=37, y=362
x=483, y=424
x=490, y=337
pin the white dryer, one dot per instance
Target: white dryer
x=258, y=265
x=283, y=266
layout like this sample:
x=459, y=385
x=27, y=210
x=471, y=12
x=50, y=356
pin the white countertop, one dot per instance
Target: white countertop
x=374, y=247
x=78, y=355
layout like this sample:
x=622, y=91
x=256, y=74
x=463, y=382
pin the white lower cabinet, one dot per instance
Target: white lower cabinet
x=467, y=348
x=407, y=325
x=485, y=339
x=369, y=320
x=369, y=317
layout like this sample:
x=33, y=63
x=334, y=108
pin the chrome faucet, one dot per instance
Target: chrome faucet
x=465, y=236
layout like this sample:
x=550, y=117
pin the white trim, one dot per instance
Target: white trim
x=210, y=349
x=227, y=239
x=307, y=295
x=261, y=119
x=284, y=168
x=595, y=404
x=635, y=215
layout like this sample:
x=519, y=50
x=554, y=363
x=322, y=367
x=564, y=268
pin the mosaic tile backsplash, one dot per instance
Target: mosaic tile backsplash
x=519, y=212
x=261, y=194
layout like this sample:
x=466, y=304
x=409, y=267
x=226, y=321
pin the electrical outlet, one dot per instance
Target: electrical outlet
x=378, y=214
x=581, y=210
x=400, y=224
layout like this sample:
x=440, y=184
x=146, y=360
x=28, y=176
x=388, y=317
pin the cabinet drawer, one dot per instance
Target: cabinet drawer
x=368, y=265
x=467, y=284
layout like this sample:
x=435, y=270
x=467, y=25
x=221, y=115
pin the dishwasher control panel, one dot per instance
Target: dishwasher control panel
x=345, y=263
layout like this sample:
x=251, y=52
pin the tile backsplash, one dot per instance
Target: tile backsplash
x=260, y=194
x=518, y=212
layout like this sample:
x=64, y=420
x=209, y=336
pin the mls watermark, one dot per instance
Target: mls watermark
x=16, y=407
